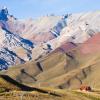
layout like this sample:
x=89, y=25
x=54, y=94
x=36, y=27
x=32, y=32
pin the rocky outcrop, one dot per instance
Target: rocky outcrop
x=9, y=42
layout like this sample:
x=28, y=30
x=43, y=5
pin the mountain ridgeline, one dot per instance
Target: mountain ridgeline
x=13, y=41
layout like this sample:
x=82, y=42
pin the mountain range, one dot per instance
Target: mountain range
x=51, y=51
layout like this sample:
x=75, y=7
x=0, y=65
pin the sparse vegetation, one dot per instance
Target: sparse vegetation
x=90, y=96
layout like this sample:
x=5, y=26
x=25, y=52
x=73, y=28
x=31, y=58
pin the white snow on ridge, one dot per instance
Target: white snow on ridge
x=30, y=39
x=80, y=27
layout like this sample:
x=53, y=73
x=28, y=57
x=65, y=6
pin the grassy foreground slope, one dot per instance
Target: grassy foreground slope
x=12, y=90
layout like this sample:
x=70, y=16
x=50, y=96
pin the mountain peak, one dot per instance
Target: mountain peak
x=4, y=13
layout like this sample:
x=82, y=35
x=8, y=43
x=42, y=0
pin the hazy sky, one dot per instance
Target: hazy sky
x=36, y=8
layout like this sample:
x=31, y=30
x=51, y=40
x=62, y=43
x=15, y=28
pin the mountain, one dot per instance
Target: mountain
x=50, y=53
x=9, y=42
x=24, y=40
x=19, y=37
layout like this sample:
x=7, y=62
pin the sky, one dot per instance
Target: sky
x=34, y=8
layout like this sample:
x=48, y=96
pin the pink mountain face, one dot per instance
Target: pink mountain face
x=92, y=45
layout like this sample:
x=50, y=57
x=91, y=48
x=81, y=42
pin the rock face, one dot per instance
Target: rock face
x=9, y=42
x=3, y=14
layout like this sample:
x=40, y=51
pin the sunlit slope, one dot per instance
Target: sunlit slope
x=12, y=90
x=59, y=70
